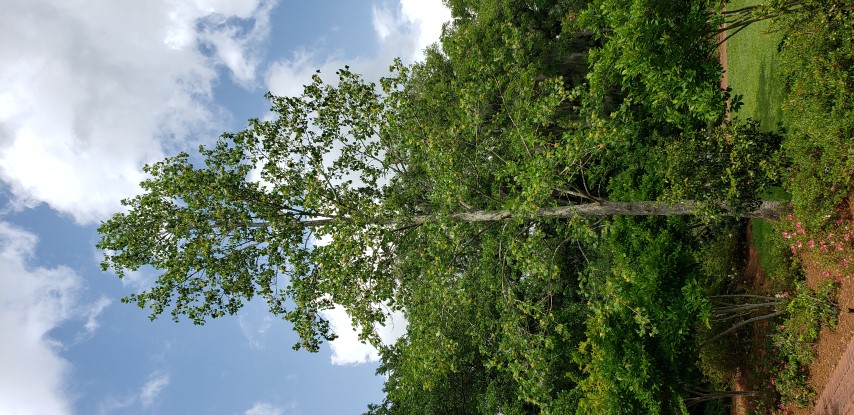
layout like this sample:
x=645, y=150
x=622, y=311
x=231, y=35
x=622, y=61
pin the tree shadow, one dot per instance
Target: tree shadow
x=769, y=94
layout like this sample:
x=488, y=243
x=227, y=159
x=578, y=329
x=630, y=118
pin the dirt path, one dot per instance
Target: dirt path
x=723, y=60
x=754, y=281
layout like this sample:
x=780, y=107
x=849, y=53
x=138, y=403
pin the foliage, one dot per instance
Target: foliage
x=808, y=311
x=506, y=342
x=773, y=250
x=220, y=238
x=645, y=304
x=831, y=250
x=721, y=260
x=734, y=163
x=818, y=62
x=657, y=55
x=720, y=255
x=525, y=106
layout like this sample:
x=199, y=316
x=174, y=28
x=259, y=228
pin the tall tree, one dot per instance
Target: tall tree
x=331, y=167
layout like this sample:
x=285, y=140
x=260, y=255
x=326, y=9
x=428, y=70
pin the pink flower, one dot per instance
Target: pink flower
x=826, y=273
x=812, y=244
x=786, y=235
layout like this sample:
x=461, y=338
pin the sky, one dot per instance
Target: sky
x=92, y=90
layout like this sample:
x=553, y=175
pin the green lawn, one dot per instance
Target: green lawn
x=753, y=70
x=772, y=250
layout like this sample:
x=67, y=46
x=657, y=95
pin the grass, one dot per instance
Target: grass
x=771, y=248
x=753, y=69
x=752, y=66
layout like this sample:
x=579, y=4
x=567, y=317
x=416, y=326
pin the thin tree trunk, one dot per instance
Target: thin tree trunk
x=704, y=396
x=769, y=210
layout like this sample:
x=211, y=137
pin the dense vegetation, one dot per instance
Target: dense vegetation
x=433, y=190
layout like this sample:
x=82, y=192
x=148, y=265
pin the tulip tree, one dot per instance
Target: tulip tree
x=460, y=190
x=363, y=170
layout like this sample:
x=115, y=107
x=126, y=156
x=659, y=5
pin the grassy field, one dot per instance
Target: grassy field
x=771, y=248
x=753, y=69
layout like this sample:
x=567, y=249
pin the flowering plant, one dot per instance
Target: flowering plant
x=833, y=250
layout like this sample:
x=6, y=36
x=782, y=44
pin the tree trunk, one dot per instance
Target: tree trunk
x=769, y=210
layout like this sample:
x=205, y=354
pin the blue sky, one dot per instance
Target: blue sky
x=90, y=91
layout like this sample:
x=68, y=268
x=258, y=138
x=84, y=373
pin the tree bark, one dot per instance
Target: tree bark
x=769, y=210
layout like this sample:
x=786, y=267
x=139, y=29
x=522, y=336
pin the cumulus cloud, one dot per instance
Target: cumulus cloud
x=33, y=301
x=419, y=22
x=347, y=349
x=91, y=90
x=402, y=30
x=264, y=408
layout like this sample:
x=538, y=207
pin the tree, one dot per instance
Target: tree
x=469, y=191
x=220, y=238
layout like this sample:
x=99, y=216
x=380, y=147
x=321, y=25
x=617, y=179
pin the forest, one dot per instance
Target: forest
x=558, y=199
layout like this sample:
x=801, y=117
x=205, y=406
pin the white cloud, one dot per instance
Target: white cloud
x=347, y=349
x=402, y=31
x=151, y=390
x=93, y=312
x=254, y=329
x=264, y=408
x=427, y=17
x=237, y=51
x=33, y=301
x=93, y=89
x=146, y=396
